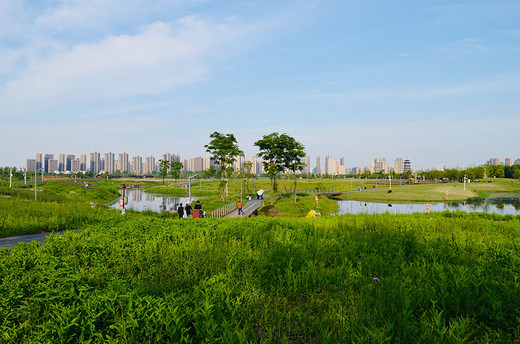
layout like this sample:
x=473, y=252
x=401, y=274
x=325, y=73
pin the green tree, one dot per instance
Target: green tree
x=293, y=155
x=164, y=166
x=176, y=167
x=278, y=153
x=223, y=149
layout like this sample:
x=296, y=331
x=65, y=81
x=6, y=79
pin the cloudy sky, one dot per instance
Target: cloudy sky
x=437, y=82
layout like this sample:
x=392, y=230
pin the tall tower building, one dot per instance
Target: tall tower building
x=95, y=162
x=39, y=160
x=307, y=169
x=380, y=165
x=110, y=163
x=31, y=165
x=407, y=165
x=62, y=162
x=331, y=166
x=46, y=158
x=207, y=163
x=75, y=166
x=508, y=162
x=83, y=162
x=149, y=165
x=239, y=163
x=137, y=165
x=398, y=165
x=70, y=159
x=53, y=165
x=318, y=167
x=123, y=164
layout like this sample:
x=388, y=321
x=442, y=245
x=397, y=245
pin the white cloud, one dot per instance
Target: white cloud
x=162, y=56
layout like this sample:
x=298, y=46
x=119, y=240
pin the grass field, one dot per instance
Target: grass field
x=435, y=192
x=154, y=278
x=439, y=278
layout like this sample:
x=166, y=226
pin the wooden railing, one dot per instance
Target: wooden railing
x=222, y=211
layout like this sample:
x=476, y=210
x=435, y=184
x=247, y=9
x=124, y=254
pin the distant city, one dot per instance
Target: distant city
x=137, y=165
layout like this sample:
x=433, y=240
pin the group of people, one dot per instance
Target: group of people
x=188, y=210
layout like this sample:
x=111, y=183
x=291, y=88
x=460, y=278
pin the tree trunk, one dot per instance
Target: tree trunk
x=294, y=189
x=272, y=189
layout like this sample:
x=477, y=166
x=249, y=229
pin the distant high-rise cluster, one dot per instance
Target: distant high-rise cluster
x=507, y=162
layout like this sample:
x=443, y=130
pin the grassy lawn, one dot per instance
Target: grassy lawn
x=435, y=192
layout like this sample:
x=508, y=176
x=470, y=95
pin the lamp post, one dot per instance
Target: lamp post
x=35, y=178
x=189, y=184
x=390, y=179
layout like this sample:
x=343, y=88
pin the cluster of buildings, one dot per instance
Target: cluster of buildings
x=111, y=163
x=507, y=162
x=123, y=163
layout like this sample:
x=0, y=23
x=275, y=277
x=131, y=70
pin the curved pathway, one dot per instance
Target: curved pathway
x=11, y=242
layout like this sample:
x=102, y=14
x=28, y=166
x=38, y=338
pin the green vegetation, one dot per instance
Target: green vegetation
x=435, y=192
x=443, y=278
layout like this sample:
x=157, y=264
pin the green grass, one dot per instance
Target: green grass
x=435, y=192
x=444, y=278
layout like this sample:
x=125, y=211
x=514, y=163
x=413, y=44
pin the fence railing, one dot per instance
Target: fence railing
x=222, y=211
x=320, y=191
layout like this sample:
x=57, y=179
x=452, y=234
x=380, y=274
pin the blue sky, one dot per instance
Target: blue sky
x=437, y=82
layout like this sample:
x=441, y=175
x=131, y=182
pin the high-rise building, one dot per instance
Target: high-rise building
x=195, y=164
x=30, y=165
x=331, y=166
x=95, y=162
x=239, y=163
x=47, y=157
x=379, y=165
x=256, y=167
x=494, y=161
x=75, y=166
x=517, y=161
x=137, y=165
x=62, y=162
x=39, y=160
x=407, y=166
x=307, y=164
x=70, y=159
x=83, y=162
x=149, y=165
x=207, y=163
x=398, y=165
x=171, y=157
x=110, y=163
x=123, y=163
x=508, y=162
x=342, y=161
x=52, y=166
x=318, y=167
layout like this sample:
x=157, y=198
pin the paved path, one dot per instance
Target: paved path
x=11, y=242
x=248, y=209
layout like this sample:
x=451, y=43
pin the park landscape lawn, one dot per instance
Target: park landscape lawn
x=151, y=278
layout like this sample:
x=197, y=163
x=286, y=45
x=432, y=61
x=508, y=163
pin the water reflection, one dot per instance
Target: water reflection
x=139, y=200
x=502, y=206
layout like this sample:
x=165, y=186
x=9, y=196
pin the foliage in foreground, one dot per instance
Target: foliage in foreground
x=442, y=279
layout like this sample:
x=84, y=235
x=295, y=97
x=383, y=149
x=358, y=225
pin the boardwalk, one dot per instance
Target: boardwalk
x=248, y=209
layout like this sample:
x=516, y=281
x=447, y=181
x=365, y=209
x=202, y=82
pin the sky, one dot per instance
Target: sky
x=437, y=82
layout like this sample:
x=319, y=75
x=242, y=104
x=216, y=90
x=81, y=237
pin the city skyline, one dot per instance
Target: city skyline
x=435, y=82
x=68, y=163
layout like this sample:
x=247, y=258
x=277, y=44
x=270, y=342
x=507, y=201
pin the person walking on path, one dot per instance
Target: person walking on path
x=180, y=211
x=239, y=207
x=188, y=209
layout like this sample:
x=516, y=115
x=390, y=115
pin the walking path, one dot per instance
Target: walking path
x=11, y=242
x=247, y=209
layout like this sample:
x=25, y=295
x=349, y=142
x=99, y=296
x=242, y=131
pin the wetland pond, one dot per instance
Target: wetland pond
x=138, y=200
x=503, y=205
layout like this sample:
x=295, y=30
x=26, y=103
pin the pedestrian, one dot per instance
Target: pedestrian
x=198, y=206
x=239, y=207
x=180, y=211
x=188, y=209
